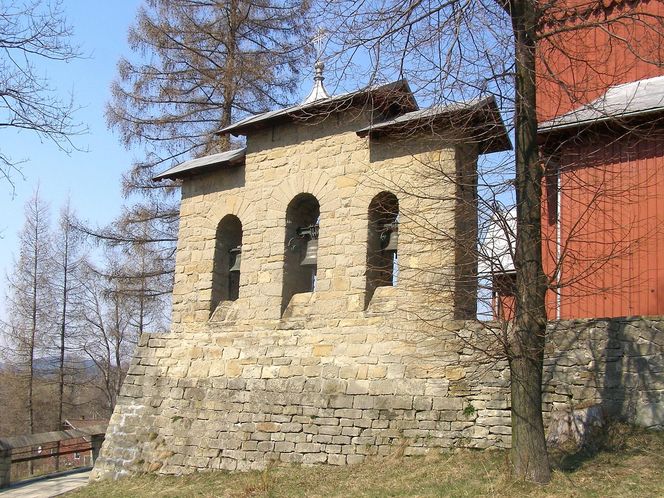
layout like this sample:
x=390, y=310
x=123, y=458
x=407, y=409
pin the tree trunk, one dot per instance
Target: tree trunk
x=63, y=329
x=33, y=335
x=526, y=345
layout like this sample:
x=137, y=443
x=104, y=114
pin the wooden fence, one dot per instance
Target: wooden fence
x=51, y=451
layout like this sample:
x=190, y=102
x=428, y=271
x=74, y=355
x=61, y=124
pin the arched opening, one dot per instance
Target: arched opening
x=382, y=243
x=301, y=252
x=226, y=265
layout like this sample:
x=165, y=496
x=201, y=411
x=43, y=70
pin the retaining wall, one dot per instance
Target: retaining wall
x=236, y=396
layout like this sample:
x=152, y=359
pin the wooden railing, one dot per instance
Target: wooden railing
x=48, y=445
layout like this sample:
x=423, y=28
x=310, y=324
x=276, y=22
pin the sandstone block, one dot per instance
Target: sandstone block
x=307, y=447
x=354, y=459
x=332, y=430
x=233, y=368
x=363, y=402
x=348, y=413
x=314, y=458
x=447, y=403
x=336, y=459
x=268, y=427
x=382, y=387
x=357, y=387
x=322, y=350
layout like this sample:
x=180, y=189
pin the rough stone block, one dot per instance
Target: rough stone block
x=314, y=458
x=357, y=387
x=348, y=413
x=336, y=459
x=307, y=447
x=448, y=403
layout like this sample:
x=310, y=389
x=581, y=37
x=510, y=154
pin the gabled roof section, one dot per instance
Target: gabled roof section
x=397, y=94
x=497, y=247
x=629, y=100
x=228, y=158
x=479, y=116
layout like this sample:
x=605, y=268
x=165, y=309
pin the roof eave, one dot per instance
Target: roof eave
x=196, y=170
x=547, y=128
x=485, y=122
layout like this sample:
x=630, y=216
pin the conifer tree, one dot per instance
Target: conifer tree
x=197, y=66
x=29, y=330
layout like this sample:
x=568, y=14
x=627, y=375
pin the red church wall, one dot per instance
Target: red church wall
x=607, y=43
x=610, y=240
x=611, y=227
x=612, y=184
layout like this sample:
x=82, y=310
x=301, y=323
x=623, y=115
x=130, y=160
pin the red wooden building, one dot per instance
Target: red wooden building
x=601, y=113
x=78, y=452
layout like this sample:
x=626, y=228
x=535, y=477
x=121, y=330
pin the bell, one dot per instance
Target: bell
x=310, y=253
x=389, y=238
x=235, y=258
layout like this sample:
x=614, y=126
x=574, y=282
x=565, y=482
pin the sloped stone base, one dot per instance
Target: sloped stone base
x=237, y=396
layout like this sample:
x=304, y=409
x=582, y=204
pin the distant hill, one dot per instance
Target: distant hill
x=49, y=365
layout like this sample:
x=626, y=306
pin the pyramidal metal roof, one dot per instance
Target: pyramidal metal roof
x=318, y=91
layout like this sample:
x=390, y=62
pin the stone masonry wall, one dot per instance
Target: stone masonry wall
x=344, y=172
x=238, y=397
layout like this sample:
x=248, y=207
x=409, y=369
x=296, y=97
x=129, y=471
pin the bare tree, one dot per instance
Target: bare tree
x=33, y=32
x=110, y=317
x=30, y=294
x=462, y=49
x=66, y=266
x=30, y=298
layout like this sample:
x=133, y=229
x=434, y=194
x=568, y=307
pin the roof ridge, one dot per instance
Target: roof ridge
x=236, y=128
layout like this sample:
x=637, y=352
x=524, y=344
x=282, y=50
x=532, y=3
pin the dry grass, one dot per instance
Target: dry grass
x=625, y=462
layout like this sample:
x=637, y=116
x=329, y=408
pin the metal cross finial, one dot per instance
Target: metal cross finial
x=318, y=92
x=318, y=40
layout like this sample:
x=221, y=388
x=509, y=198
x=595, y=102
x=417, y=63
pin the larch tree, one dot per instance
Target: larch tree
x=197, y=65
x=66, y=272
x=30, y=300
x=33, y=32
x=458, y=50
x=65, y=264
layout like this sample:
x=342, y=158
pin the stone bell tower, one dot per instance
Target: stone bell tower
x=315, y=197
x=307, y=262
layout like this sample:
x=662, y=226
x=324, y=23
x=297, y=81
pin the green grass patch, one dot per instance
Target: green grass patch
x=622, y=462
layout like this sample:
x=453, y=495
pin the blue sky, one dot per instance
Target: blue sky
x=91, y=178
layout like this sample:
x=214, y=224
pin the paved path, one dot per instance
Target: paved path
x=45, y=487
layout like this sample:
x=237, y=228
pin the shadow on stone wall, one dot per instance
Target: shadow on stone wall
x=616, y=365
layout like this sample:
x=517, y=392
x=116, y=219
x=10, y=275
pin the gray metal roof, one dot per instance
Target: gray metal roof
x=492, y=129
x=620, y=101
x=401, y=87
x=419, y=115
x=200, y=163
x=497, y=247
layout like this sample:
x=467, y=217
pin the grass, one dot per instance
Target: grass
x=623, y=462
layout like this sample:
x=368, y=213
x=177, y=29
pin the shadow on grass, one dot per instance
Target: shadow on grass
x=613, y=438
